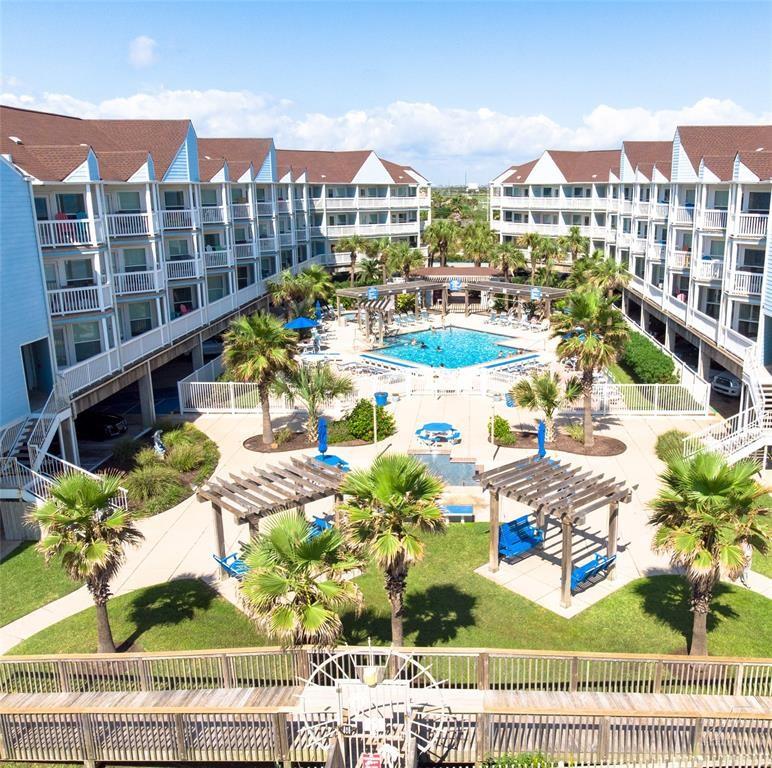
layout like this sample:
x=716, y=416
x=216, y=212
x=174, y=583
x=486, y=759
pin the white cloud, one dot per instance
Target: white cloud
x=143, y=52
x=440, y=142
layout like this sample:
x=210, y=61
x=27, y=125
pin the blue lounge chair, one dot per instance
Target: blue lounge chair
x=458, y=513
x=331, y=460
x=599, y=564
x=319, y=525
x=233, y=565
x=518, y=536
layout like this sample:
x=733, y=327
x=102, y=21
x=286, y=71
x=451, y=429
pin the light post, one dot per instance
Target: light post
x=375, y=420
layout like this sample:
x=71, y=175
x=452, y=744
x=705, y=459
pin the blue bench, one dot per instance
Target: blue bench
x=597, y=565
x=458, y=513
x=518, y=536
x=233, y=565
x=319, y=525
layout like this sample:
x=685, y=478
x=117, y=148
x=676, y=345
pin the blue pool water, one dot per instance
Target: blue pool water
x=452, y=472
x=448, y=348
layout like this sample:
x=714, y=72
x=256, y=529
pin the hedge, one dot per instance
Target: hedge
x=646, y=362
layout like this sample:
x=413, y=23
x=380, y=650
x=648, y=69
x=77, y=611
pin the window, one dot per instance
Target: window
x=216, y=287
x=267, y=266
x=72, y=205
x=315, y=191
x=286, y=258
x=183, y=300
x=752, y=260
x=689, y=198
x=717, y=248
x=134, y=260
x=60, y=348
x=178, y=249
x=174, y=199
x=600, y=190
x=644, y=194
x=129, y=202
x=86, y=340
x=628, y=193
x=140, y=317
x=238, y=196
x=626, y=226
x=79, y=273
x=302, y=251
x=245, y=275
x=721, y=199
x=748, y=320
x=372, y=191
x=347, y=192
x=758, y=202
x=212, y=242
x=51, y=281
x=260, y=194
x=318, y=247
x=209, y=198
x=710, y=301
x=640, y=267
x=41, y=208
x=240, y=235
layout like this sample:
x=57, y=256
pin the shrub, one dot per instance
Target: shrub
x=575, y=430
x=523, y=760
x=123, y=452
x=360, y=422
x=283, y=435
x=338, y=432
x=669, y=444
x=404, y=302
x=185, y=457
x=646, y=362
x=502, y=432
x=150, y=481
x=145, y=456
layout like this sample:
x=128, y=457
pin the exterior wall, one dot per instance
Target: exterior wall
x=23, y=305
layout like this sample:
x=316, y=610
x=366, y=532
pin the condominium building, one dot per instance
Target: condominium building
x=690, y=220
x=127, y=243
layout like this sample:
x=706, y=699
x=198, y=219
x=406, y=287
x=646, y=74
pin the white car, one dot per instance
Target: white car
x=725, y=384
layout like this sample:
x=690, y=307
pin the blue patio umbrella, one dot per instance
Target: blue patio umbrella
x=322, y=435
x=318, y=310
x=301, y=322
x=541, y=435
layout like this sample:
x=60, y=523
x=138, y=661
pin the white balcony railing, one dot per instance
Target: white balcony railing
x=69, y=232
x=181, y=219
x=704, y=324
x=186, y=323
x=656, y=251
x=752, y=224
x=215, y=259
x=659, y=211
x=680, y=259
x=69, y=301
x=341, y=230
x=301, y=234
x=241, y=211
x=128, y=224
x=212, y=214
x=336, y=203
x=639, y=245
x=89, y=371
x=642, y=209
x=282, y=206
x=138, y=282
x=683, y=215
x=745, y=283
x=265, y=209
x=300, y=205
x=713, y=219
x=244, y=251
x=176, y=270
x=285, y=238
x=143, y=345
x=708, y=269
x=267, y=243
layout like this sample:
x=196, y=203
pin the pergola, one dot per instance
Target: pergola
x=550, y=487
x=251, y=496
x=515, y=290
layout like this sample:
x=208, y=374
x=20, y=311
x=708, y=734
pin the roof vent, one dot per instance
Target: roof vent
x=323, y=175
x=16, y=140
x=760, y=149
x=206, y=157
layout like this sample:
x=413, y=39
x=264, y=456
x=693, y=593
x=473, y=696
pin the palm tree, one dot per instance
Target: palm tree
x=705, y=510
x=369, y=272
x=88, y=534
x=531, y=242
x=593, y=331
x=479, y=241
x=296, y=583
x=403, y=258
x=543, y=392
x=575, y=243
x=313, y=385
x=441, y=236
x=389, y=507
x=286, y=292
x=507, y=257
x=547, y=254
x=317, y=284
x=378, y=248
x=354, y=244
x=258, y=348
x=607, y=275
x=581, y=271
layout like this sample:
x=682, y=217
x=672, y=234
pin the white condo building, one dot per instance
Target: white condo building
x=128, y=243
x=690, y=220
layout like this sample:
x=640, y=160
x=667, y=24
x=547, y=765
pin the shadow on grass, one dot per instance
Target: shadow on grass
x=667, y=598
x=166, y=604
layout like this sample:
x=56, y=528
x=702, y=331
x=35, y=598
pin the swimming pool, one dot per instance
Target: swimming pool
x=448, y=347
x=452, y=472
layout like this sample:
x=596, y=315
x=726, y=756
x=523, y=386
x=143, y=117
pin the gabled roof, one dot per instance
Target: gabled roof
x=759, y=163
x=646, y=154
x=322, y=166
x=238, y=153
x=721, y=166
x=520, y=172
x=590, y=166
x=700, y=141
x=121, y=166
x=51, y=162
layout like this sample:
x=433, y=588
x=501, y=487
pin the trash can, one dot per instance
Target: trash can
x=381, y=398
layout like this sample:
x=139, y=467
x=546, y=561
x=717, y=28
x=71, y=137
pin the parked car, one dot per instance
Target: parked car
x=100, y=425
x=725, y=384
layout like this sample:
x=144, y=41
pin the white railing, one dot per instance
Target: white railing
x=285, y=238
x=128, y=224
x=181, y=268
x=642, y=209
x=214, y=259
x=676, y=306
x=659, y=211
x=69, y=232
x=333, y=203
x=212, y=214
x=753, y=224
x=734, y=341
x=733, y=438
x=301, y=234
x=244, y=250
x=647, y=400
x=341, y=230
x=300, y=205
x=708, y=269
x=10, y=435
x=220, y=307
x=683, y=215
x=745, y=283
x=625, y=206
x=679, y=259
x=142, y=345
x=656, y=252
x=181, y=219
x=282, y=206
x=241, y=210
x=66, y=301
x=265, y=209
x=713, y=219
x=186, y=323
x=90, y=371
x=138, y=282
x=639, y=245
x=267, y=243
x=703, y=323
x=46, y=419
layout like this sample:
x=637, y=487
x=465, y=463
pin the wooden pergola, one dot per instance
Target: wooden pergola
x=251, y=496
x=550, y=487
x=514, y=290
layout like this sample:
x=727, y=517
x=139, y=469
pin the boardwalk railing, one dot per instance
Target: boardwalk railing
x=502, y=670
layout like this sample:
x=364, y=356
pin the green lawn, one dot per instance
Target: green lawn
x=26, y=583
x=762, y=563
x=447, y=604
x=619, y=374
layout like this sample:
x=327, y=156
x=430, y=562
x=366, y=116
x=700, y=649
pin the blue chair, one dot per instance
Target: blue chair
x=319, y=525
x=458, y=513
x=599, y=564
x=518, y=537
x=331, y=460
x=233, y=565
x=425, y=438
x=509, y=400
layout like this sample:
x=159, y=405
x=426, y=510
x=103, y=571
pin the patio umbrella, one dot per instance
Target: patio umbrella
x=541, y=435
x=301, y=322
x=318, y=310
x=322, y=435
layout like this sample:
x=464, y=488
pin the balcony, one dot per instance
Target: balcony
x=241, y=211
x=142, y=345
x=680, y=259
x=745, y=283
x=315, y=232
x=514, y=203
x=683, y=215
x=186, y=323
x=285, y=238
x=265, y=209
x=341, y=230
x=213, y=214
x=659, y=211
x=267, y=243
x=244, y=250
x=63, y=232
x=129, y=224
x=283, y=206
x=218, y=259
x=72, y=301
x=626, y=206
x=656, y=251
x=676, y=307
x=714, y=220
x=642, y=210
x=87, y=372
x=300, y=205
x=184, y=218
x=333, y=203
x=639, y=245
x=704, y=324
x=181, y=269
x=751, y=225
x=708, y=269
x=301, y=234
x=138, y=282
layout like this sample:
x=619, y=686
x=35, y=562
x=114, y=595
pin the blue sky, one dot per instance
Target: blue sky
x=451, y=88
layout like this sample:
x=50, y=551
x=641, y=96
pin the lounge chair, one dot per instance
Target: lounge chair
x=319, y=525
x=599, y=564
x=233, y=565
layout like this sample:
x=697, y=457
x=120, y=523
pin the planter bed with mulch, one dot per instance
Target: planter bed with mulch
x=604, y=446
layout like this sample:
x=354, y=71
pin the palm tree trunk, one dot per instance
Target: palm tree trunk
x=312, y=428
x=383, y=271
x=353, y=269
x=589, y=437
x=396, y=581
x=549, y=429
x=265, y=407
x=100, y=593
x=700, y=606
